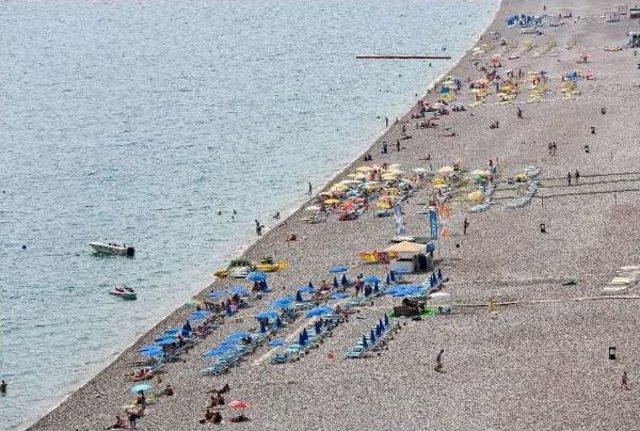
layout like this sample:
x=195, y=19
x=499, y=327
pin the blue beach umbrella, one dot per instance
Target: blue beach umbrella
x=439, y=274
x=256, y=276
x=141, y=387
x=305, y=334
x=152, y=352
x=263, y=326
x=198, y=315
x=434, y=280
x=301, y=339
x=267, y=315
x=338, y=269
x=283, y=302
x=371, y=279
x=376, y=288
x=319, y=311
x=238, y=290
x=378, y=331
x=364, y=342
x=386, y=320
x=263, y=285
x=388, y=280
x=307, y=288
x=277, y=342
x=372, y=337
x=299, y=297
x=335, y=283
x=172, y=331
x=392, y=277
x=166, y=341
x=339, y=295
x=344, y=280
x=237, y=336
x=278, y=322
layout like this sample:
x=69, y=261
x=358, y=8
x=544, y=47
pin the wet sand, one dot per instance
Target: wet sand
x=529, y=364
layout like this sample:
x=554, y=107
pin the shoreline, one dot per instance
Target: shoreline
x=292, y=211
x=463, y=275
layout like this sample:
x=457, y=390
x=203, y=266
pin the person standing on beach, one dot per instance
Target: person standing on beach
x=624, y=382
x=384, y=147
x=577, y=175
x=439, y=365
x=465, y=225
x=569, y=178
x=386, y=122
x=3, y=387
x=310, y=191
x=398, y=145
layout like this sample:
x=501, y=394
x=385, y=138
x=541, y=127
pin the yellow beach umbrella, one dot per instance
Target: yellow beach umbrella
x=365, y=169
x=445, y=170
x=331, y=201
x=476, y=196
x=480, y=172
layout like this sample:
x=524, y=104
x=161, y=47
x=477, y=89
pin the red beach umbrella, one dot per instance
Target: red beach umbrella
x=238, y=404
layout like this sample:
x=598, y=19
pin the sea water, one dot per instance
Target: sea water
x=138, y=121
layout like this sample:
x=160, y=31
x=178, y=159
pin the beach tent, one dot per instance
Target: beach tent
x=406, y=247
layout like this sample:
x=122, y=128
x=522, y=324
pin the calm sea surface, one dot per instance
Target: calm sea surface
x=139, y=120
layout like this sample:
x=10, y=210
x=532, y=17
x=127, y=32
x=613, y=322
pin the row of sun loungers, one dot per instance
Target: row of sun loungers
x=375, y=340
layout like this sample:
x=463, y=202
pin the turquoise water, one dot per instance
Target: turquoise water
x=139, y=120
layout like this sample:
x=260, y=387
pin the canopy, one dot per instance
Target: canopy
x=238, y=290
x=406, y=247
x=372, y=279
x=267, y=315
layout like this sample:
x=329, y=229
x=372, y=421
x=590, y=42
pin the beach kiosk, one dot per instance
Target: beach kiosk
x=411, y=257
x=613, y=16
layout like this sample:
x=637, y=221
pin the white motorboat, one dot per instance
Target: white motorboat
x=113, y=248
x=123, y=292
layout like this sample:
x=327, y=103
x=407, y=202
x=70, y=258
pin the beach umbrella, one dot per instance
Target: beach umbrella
x=388, y=280
x=305, y=334
x=376, y=288
x=256, y=276
x=218, y=351
x=319, y=311
x=267, y=315
x=263, y=326
x=372, y=337
x=166, y=341
x=439, y=274
x=372, y=279
x=282, y=302
x=216, y=294
x=198, y=315
x=344, y=280
x=299, y=296
x=237, y=336
x=278, y=322
x=312, y=208
x=301, y=339
x=364, y=342
x=335, y=282
x=391, y=276
x=152, y=352
x=338, y=269
x=339, y=295
x=434, y=280
x=238, y=404
x=386, y=319
x=238, y=290
x=141, y=387
x=186, y=329
x=445, y=170
x=277, y=342
x=307, y=288
x=378, y=331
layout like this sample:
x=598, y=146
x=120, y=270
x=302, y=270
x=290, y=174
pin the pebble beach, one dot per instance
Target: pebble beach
x=538, y=358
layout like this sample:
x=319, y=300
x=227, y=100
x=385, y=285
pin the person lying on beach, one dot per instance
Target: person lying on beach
x=239, y=418
x=120, y=424
x=168, y=391
x=134, y=415
x=208, y=416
